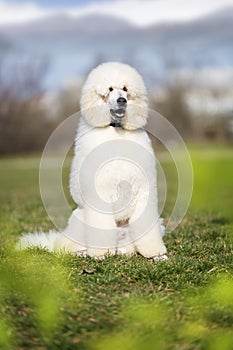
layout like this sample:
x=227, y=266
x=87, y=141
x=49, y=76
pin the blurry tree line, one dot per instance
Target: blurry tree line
x=29, y=114
x=26, y=119
x=194, y=127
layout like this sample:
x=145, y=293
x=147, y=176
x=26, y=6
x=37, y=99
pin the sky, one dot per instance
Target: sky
x=138, y=12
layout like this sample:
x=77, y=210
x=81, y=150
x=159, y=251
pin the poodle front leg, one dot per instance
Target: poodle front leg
x=101, y=233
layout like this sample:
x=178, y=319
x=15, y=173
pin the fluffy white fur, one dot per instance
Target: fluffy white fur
x=88, y=225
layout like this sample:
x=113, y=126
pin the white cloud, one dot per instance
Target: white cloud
x=136, y=11
x=20, y=12
x=154, y=11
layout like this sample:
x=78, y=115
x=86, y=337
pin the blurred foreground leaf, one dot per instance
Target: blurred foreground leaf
x=32, y=282
x=155, y=325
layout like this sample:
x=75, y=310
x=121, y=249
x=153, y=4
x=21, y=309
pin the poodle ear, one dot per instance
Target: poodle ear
x=93, y=108
x=101, y=90
x=137, y=113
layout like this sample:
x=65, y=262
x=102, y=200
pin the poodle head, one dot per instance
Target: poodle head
x=114, y=92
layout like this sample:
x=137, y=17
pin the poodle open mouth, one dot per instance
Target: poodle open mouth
x=118, y=113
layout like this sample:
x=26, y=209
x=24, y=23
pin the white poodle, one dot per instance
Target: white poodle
x=113, y=175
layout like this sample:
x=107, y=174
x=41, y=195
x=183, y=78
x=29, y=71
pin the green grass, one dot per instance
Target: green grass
x=60, y=301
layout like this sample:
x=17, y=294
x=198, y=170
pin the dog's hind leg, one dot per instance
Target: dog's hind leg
x=150, y=244
x=101, y=233
x=145, y=230
x=72, y=239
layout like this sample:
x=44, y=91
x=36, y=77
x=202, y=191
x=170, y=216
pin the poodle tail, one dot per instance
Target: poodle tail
x=39, y=239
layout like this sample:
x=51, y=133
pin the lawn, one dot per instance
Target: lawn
x=60, y=301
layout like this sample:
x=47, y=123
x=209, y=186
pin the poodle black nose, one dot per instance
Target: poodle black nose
x=121, y=101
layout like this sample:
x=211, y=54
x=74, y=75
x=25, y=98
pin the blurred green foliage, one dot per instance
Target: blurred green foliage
x=213, y=179
x=156, y=325
x=30, y=286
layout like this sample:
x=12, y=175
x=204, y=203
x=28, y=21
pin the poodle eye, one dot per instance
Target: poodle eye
x=110, y=89
x=125, y=88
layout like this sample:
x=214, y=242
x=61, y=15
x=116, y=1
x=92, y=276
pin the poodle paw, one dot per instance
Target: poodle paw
x=160, y=257
x=82, y=253
x=100, y=257
x=123, y=251
x=126, y=250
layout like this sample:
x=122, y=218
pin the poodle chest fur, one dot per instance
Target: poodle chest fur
x=124, y=162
